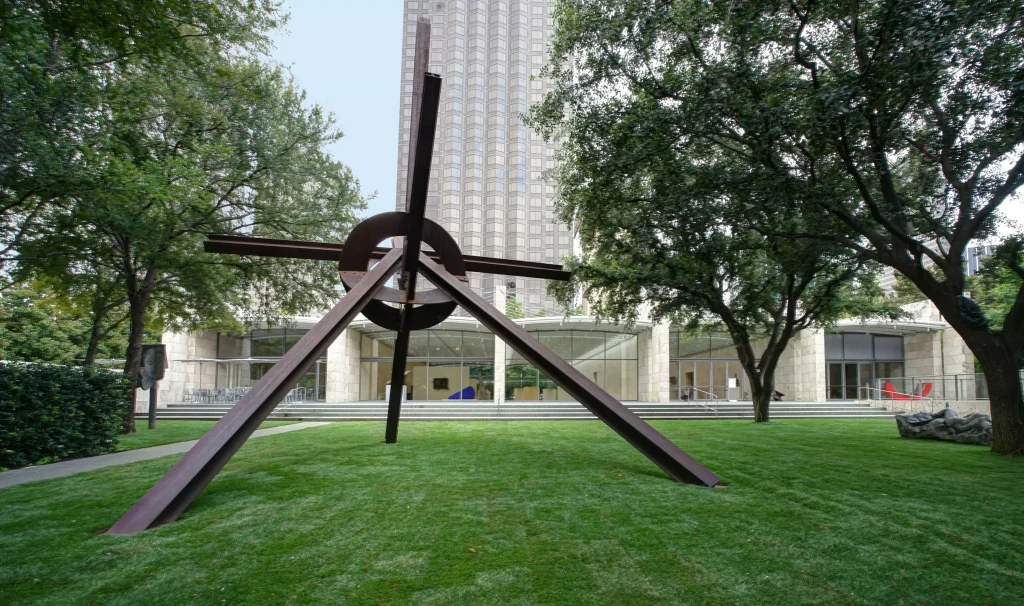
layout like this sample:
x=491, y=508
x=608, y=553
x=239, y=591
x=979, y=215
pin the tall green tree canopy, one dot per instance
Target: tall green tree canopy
x=900, y=123
x=664, y=222
x=37, y=325
x=57, y=57
x=202, y=135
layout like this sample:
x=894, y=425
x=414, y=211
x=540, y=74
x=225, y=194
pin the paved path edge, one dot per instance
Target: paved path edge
x=67, y=468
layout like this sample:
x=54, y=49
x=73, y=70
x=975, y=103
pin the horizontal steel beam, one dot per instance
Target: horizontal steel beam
x=324, y=251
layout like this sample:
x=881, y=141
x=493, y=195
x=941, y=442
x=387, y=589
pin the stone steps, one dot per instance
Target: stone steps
x=438, y=411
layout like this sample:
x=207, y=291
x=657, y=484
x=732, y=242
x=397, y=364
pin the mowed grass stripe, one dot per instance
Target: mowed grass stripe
x=816, y=511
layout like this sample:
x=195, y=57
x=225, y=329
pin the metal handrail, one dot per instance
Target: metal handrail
x=701, y=403
x=909, y=397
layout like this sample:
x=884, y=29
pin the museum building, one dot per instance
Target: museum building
x=649, y=362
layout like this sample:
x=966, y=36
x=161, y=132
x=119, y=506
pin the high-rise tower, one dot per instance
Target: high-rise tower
x=487, y=184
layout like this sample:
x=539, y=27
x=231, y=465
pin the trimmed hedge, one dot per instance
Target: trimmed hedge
x=50, y=412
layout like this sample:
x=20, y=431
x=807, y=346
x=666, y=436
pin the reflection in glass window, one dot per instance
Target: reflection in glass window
x=559, y=342
x=445, y=343
x=833, y=346
x=857, y=346
x=268, y=343
x=464, y=360
x=621, y=347
x=587, y=345
x=478, y=345
x=888, y=347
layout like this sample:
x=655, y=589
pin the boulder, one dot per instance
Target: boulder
x=975, y=428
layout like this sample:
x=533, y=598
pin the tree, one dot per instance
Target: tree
x=692, y=243
x=514, y=309
x=996, y=285
x=39, y=325
x=904, y=291
x=33, y=330
x=901, y=122
x=223, y=144
x=56, y=59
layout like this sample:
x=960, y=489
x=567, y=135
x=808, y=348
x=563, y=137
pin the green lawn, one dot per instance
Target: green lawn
x=816, y=512
x=167, y=432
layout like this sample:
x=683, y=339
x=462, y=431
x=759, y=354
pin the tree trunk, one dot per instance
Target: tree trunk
x=762, y=402
x=1000, y=362
x=762, y=383
x=1006, y=398
x=95, y=335
x=137, y=319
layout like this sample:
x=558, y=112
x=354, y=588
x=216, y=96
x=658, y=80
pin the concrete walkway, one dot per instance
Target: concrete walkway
x=66, y=468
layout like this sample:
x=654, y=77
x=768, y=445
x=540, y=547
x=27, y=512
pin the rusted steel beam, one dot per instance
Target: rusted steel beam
x=176, y=490
x=659, y=449
x=328, y=251
x=425, y=123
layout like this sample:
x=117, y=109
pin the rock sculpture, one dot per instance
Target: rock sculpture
x=975, y=428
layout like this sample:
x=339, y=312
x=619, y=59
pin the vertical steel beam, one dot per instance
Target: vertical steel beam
x=176, y=490
x=656, y=447
x=426, y=101
x=398, y=361
x=420, y=64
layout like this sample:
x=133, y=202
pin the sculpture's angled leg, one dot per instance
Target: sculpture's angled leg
x=635, y=430
x=176, y=490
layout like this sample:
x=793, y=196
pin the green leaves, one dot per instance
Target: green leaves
x=50, y=412
x=187, y=130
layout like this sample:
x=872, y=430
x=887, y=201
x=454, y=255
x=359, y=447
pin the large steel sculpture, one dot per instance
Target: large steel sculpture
x=410, y=309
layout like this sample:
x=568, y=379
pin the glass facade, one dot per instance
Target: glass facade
x=442, y=365
x=705, y=367
x=854, y=360
x=243, y=360
x=459, y=365
x=607, y=358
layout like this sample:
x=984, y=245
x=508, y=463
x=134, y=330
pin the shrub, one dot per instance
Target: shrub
x=50, y=412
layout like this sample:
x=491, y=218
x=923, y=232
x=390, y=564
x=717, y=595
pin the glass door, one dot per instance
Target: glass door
x=835, y=380
x=850, y=380
x=864, y=381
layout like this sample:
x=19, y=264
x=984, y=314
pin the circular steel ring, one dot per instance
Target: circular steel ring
x=434, y=306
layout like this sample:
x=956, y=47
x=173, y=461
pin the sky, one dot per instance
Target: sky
x=346, y=54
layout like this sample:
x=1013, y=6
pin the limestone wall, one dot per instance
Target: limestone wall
x=962, y=407
x=179, y=375
x=922, y=353
x=343, y=368
x=653, y=364
x=801, y=371
x=172, y=388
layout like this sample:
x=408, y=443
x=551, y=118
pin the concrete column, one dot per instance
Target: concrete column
x=644, y=386
x=957, y=358
x=922, y=354
x=801, y=371
x=202, y=345
x=653, y=364
x=172, y=388
x=499, y=349
x=343, y=367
